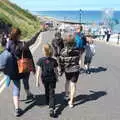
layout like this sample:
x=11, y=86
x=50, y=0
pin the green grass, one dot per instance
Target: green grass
x=12, y=14
x=1, y=49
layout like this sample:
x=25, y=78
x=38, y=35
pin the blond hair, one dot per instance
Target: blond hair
x=47, y=49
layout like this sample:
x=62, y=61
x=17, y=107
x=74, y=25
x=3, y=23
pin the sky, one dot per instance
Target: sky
x=44, y=5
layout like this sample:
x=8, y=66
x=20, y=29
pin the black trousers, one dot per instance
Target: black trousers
x=50, y=93
x=108, y=37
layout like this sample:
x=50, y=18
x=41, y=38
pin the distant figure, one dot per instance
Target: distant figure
x=80, y=41
x=89, y=53
x=118, y=41
x=47, y=68
x=57, y=44
x=102, y=33
x=108, y=33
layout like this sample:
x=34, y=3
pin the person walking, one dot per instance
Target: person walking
x=89, y=53
x=16, y=47
x=108, y=33
x=58, y=45
x=118, y=40
x=80, y=41
x=48, y=67
x=8, y=65
x=69, y=61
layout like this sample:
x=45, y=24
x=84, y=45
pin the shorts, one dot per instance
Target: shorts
x=87, y=60
x=73, y=77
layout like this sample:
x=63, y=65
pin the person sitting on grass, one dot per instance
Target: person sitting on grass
x=48, y=67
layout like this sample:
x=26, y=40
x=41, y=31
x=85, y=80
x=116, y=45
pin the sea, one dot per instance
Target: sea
x=84, y=16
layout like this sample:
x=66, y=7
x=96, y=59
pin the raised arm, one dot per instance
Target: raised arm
x=33, y=39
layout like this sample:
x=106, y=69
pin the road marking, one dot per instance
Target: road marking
x=2, y=87
x=2, y=84
x=2, y=81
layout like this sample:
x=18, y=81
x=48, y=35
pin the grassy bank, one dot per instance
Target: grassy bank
x=12, y=14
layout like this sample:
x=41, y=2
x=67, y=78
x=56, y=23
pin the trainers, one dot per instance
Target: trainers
x=18, y=112
x=70, y=104
x=52, y=114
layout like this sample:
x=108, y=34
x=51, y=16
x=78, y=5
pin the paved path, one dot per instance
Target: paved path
x=98, y=96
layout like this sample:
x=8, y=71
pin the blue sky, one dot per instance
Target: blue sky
x=39, y=5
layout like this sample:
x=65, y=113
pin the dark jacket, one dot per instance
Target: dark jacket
x=57, y=45
x=18, y=49
x=69, y=59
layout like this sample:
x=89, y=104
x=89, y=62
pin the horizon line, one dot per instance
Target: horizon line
x=72, y=10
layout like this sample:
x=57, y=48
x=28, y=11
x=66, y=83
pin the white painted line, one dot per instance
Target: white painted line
x=2, y=81
x=2, y=84
x=2, y=87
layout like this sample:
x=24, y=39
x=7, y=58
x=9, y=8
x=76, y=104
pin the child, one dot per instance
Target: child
x=89, y=53
x=48, y=67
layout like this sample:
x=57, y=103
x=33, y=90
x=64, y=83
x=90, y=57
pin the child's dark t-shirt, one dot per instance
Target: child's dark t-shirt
x=42, y=62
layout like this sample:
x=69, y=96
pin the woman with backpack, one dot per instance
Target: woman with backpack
x=21, y=49
x=48, y=67
x=69, y=61
x=8, y=65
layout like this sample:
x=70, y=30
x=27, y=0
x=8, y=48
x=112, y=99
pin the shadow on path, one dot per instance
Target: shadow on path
x=98, y=69
x=61, y=104
x=81, y=99
x=39, y=100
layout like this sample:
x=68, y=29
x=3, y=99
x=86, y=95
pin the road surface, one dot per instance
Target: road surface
x=97, y=95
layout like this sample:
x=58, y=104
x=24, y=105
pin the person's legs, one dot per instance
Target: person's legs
x=108, y=37
x=16, y=95
x=82, y=58
x=67, y=85
x=72, y=93
x=86, y=63
x=46, y=86
x=52, y=95
x=89, y=62
x=26, y=85
x=73, y=81
x=52, y=98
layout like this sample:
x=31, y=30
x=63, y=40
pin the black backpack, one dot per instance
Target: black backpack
x=48, y=72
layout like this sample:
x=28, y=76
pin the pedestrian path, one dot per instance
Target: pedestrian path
x=97, y=95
